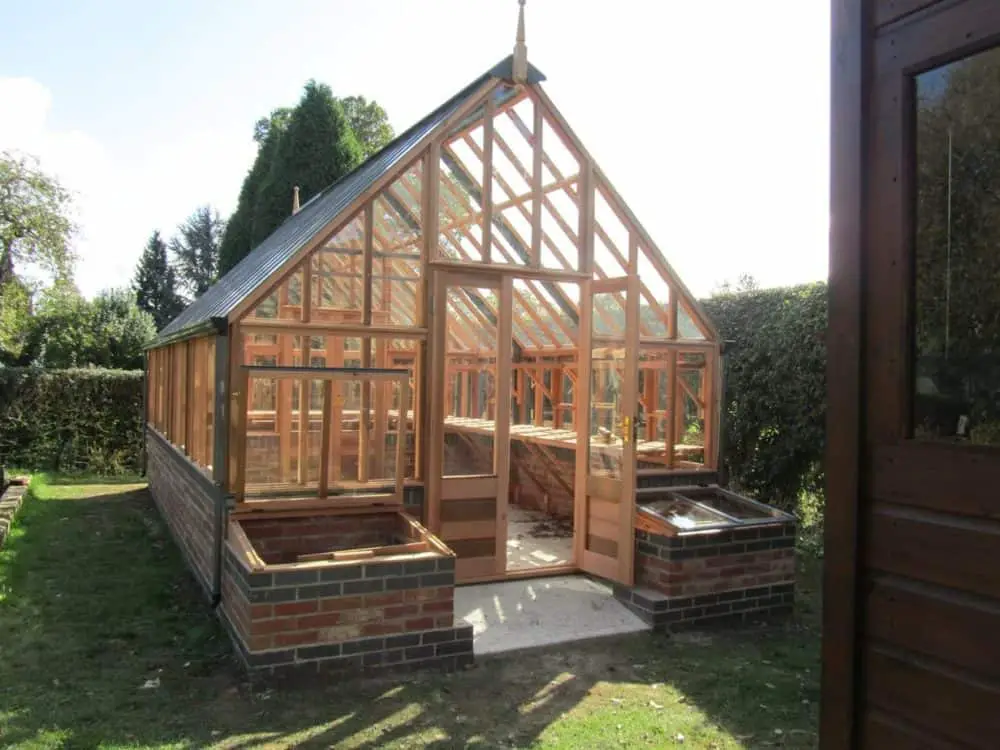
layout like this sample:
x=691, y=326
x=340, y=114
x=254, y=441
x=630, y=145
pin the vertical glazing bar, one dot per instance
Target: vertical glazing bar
x=404, y=400
x=324, y=451
x=536, y=188
x=240, y=402
x=487, y=192
x=220, y=435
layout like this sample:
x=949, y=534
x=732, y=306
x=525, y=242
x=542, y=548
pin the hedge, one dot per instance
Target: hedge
x=71, y=420
x=776, y=390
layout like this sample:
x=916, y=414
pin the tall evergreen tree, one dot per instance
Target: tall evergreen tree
x=155, y=283
x=317, y=148
x=196, y=250
x=237, y=239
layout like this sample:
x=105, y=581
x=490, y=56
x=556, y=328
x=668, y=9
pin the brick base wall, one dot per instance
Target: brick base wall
x=313, y=618
x=186, y=500
x=698, y=579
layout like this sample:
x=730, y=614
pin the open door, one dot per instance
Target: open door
x=607, y=429
x=470, y=429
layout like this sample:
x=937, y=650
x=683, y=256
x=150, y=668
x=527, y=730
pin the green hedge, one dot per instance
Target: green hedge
x=71, y=420
x=776, y=390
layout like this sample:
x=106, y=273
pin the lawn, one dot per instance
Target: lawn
x=106, y=642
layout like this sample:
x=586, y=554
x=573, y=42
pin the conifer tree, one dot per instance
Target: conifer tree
x=155, y=283
x=316, y=149
x=237, y=239
x=196, y=250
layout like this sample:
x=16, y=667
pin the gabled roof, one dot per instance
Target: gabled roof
x=298, y=229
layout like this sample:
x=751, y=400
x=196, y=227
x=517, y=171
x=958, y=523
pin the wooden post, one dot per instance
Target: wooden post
x=404, y=399
x=439, y=346
x=305, y=385
x=364, y=442
x=581, y=389
x=428, y=247
x=707, y=394
x=557, y=396
x=501, y=431
x=536, y=189
x=239, y=420
x=324, y=451
x=539, y=376
x=673, y=387
x=335, y=353
x=283, y=417
x=381, y=411
x=487, y=193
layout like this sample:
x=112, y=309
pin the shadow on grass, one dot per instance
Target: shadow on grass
x=95, y=603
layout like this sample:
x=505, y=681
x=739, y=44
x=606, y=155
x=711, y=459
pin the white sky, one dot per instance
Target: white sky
x=711, y=119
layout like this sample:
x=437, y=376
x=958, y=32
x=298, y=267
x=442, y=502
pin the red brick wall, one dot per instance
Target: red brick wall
x=186, y=503
x=697, y=578
x=389, y=611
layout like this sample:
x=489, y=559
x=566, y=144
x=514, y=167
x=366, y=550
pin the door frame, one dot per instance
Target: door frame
x=439, y=487
x=876, y=49
x=619, y=568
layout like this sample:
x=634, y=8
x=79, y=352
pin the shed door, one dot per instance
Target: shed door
x=605, y=500
x=925, y=594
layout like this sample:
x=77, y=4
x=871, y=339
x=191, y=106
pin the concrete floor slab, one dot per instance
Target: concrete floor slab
x=515, y=615
x=535, y=540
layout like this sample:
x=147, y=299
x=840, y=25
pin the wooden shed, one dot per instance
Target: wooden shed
x=465, y=358
x=912, y=602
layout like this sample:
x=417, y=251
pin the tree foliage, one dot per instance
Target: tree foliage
x=237, y=239
x=311, y=146
x=369, y=122
x=155, y=283
x=15, y=320
x=775, y=389
x=316, y=149
x=70, y=331
x=196, y=250
x=35, y=227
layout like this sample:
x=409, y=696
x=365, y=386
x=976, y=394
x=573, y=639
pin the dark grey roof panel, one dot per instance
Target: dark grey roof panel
x=257, y=267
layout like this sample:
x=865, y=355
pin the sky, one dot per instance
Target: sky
x=710, y=119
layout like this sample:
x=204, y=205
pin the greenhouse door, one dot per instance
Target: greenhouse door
x=469, y=460
x=607, y=431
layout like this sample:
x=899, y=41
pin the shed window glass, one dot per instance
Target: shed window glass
x=956, y=300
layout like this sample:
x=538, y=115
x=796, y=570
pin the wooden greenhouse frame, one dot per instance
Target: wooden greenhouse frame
x=476, y=285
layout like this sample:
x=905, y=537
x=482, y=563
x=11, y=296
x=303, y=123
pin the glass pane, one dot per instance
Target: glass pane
x=956, y=377
x=470, y=380
x=683, y=514
x=606, y=389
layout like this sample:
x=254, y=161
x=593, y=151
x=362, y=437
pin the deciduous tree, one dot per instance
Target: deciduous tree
x=35, y=226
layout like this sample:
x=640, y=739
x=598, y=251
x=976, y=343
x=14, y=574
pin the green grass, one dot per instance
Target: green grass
x=94, y=602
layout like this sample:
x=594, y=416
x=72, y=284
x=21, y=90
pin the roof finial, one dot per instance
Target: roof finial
x=295, y=199
x=520, y=67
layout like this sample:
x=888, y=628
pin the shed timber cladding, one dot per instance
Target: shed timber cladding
x=323, y=208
